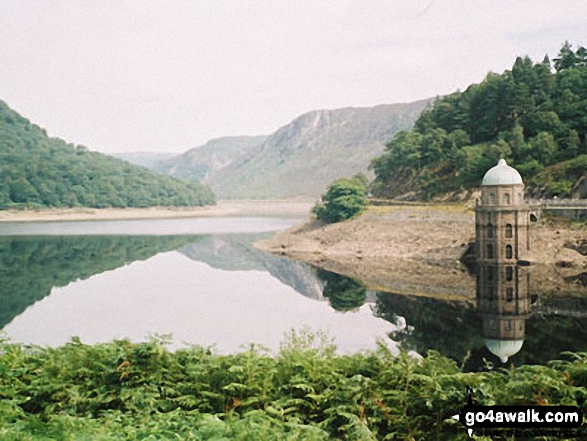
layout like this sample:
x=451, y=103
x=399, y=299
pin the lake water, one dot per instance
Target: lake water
x=197, y=279
x=203, y=282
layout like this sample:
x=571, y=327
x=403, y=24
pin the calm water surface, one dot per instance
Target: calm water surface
x=197, y=279
x=202, y=281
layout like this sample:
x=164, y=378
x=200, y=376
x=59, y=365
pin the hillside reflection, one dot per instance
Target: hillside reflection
x=31, y=266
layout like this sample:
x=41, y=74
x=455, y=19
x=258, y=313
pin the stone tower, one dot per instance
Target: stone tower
x=502, y=217
x=502, y=243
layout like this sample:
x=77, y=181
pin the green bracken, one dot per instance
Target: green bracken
x=306, y=391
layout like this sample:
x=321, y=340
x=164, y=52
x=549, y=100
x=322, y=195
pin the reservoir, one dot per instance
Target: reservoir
x=201, y=282
x=198, y=280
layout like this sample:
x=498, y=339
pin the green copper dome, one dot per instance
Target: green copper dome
x=502, y=174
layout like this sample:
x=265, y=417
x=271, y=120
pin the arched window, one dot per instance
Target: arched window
x=490, y=230
x=509, y=273
x=491, y=198
x=509, y=231
x=490, y=251
x=489, y=273
x=506, y=199
x=509, y=252
x=509, y=294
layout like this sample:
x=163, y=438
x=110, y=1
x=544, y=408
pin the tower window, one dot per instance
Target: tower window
x=489, y=273
x=509, y=294
x=509, y=233
x=490, y=251
x=490, y=231
x=509, y=252
x=491, y=198
x=509, y=273
x=506, y=199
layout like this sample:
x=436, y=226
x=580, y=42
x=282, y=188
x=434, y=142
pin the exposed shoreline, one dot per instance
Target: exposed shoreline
x=271, y=208
x=417, y=250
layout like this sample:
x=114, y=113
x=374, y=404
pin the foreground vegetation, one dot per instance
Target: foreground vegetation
x=531, y=116
x=122, y=390
x=39, y=171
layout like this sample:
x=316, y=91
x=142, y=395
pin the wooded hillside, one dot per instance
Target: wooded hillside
x=39, y=171
x=532, y=116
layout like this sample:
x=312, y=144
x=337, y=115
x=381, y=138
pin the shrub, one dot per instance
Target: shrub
x=344, y=199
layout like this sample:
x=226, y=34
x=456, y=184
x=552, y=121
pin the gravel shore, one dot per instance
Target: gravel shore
x=222, y=208
x=418, y=249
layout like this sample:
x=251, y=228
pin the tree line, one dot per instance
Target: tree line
x=532, y=116
x=39, y=171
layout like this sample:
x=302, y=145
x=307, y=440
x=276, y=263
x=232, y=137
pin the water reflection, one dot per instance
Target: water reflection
x=208, y=290
x=30, y=267
x=510, y=322
x=344, y=293
x=503, y=302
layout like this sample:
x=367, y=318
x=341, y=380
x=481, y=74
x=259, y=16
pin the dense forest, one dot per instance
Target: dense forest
x=39, y=171
x=532, y=116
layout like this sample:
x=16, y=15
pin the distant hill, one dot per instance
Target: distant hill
x=144, y=159
x=202, y=162
x=39, y=171
x=298, y=160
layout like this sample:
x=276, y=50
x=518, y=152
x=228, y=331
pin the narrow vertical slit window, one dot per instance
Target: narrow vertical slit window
x=509, y=273
x=509, y=253
x=509, y=231
x=490, y=251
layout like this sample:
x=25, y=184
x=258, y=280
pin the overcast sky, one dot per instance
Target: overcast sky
x=169, y=75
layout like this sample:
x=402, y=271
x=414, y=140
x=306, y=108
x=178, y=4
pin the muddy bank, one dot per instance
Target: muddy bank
x=222, y=208
x=418, y=249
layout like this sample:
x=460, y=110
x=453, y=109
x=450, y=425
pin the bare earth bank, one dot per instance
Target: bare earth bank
x=417, y=250
x=222, y=208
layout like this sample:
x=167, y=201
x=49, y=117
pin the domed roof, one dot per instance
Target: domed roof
x=502, y=174
x=504, y=349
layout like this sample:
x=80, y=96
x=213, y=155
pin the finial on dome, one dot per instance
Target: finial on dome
x=502, y=162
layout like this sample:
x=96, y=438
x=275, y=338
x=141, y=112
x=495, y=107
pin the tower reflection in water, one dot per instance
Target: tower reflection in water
x=502, y=242
x=503, y=302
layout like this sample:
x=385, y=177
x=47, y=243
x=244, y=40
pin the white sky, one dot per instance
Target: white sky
x=169, y=75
